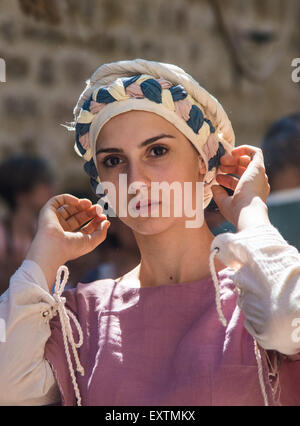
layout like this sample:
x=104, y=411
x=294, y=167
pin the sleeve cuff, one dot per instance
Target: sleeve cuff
x=31, y=271
x=239, y=248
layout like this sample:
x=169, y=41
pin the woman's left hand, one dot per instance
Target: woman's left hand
x=246, y=207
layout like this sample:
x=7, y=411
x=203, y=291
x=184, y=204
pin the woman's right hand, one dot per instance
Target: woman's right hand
x=63, y=233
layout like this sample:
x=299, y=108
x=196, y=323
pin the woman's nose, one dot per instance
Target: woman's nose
x=139, y=187
x=138, y=179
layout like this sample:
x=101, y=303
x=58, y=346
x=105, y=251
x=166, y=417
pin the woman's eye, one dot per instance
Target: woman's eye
x=111, y=161
x=158, y=151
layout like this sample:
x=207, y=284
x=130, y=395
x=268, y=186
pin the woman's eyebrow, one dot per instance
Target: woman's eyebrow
x=144, y=143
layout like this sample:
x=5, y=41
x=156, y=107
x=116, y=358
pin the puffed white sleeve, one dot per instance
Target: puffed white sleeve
x=267, y=278
x=26, y=377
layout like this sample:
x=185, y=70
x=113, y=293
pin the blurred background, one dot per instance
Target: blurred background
x=241, y=51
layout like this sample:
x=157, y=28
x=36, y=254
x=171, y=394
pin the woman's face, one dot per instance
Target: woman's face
x=148, y=150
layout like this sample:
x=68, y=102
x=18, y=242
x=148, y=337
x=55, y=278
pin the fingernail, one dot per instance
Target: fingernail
x=98, y=210
x=104, y=223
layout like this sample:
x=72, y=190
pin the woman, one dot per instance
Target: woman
x=153, y=336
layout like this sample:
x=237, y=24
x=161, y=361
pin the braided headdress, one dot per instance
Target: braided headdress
x=160, y=88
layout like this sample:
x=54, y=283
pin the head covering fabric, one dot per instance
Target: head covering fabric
x=163, y=89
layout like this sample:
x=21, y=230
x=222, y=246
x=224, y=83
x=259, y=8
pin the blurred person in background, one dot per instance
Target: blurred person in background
x=281, y=149
x=26, y=184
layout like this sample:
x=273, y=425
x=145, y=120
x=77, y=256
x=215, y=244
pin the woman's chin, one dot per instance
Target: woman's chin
x=149, y=225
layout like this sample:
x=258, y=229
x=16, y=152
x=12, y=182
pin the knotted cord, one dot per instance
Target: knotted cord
x=66, y=327
x=212, y=268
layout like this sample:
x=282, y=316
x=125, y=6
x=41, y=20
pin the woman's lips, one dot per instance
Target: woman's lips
x=146, y=204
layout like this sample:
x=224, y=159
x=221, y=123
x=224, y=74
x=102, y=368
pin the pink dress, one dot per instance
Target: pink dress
x=166, y=346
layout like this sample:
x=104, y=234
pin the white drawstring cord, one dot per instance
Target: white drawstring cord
x=276, y=388
x=66, y=327
x=260, y=372
x=213, y=253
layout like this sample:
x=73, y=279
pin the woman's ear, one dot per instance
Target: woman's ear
x=202, y=167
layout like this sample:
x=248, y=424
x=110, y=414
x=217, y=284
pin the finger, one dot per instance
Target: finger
x=51, y=208
x=248, y=150
x=240, y=171
x=85, y=216
x=228, y=160
x=63, y=223
x=64, y=199
x=244, y=160
x=236, y=170
x=227, y=181
x=97, y=236
x=68, y=210
x=85, y=203
x=257, y=159
x=93, y=225
x=81, y=218
x=49, y=212
x=227, y=169
x=65, y=213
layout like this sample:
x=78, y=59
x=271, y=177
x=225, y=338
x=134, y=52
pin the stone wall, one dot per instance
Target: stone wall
x=48, y=63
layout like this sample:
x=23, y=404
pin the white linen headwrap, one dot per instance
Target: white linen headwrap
x=161, y=88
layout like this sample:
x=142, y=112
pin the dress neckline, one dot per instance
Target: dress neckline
x=221, y=274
